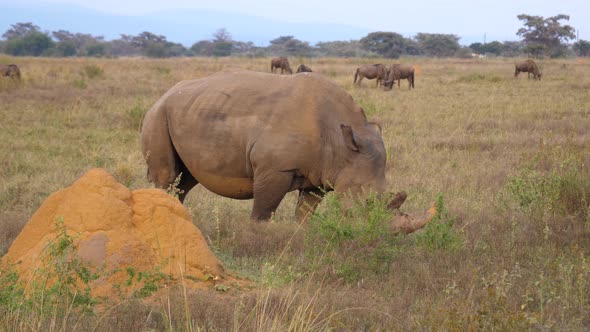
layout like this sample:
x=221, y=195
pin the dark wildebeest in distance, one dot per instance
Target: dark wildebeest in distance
x=10, y=71
x=304, y=69
x=399, y=72
x=375, y=71
x=528, y=66
x=282, y=63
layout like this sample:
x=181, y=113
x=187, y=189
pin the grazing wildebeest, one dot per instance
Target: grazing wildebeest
x=375, y=71
x=304, y=69
x=11, y=71
x=399, y=72
x=282, y=63
x=244, y=134
x=528, y=66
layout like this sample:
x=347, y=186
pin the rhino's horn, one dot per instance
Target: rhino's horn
x=408, y=223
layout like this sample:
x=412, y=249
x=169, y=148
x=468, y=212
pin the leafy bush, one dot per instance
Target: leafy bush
x=134, y=116
x=80, y=84
x=354, y=242
x=439, y=233
x=93, y=71
x=563, y=190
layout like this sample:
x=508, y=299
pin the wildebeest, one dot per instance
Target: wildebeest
x=244, y=134
x=282, y=63
x=399, y=72
x=375, y=71
x=528, y=66
x=12, y=71
x=304, y=69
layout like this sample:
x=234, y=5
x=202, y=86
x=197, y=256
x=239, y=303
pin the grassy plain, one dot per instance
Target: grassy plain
x=510, y=156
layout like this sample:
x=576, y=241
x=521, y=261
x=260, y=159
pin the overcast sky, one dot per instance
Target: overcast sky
x=496, y=18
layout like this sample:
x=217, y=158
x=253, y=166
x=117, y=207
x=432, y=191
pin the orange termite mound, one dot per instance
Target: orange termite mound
x=115, y=229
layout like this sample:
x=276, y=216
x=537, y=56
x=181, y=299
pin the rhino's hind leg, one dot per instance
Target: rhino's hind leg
x=307, y=202
x=187, y=182
x=269, y=191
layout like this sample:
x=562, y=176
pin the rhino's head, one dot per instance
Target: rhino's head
x=363, y=169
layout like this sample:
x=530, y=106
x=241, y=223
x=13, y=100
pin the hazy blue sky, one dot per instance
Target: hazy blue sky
x=496, y=18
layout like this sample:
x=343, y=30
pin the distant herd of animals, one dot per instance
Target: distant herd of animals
x=386, y=76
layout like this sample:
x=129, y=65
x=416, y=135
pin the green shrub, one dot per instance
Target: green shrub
x=351, y=243
x=439, y=233
x=93, y=71
x=81, y=84
x=563, y=190
x=134, y=116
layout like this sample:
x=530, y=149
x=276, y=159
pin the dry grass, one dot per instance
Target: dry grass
x=467, y=130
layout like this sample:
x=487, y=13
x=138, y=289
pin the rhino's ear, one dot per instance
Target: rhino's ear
x=375, y=127
x=363, y=114
x=349, y=137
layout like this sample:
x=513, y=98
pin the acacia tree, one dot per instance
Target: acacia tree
x=385, y=44
x=289, y=45
x=222, y=43
x=438, y=44
x=20, y=30
x=546, y=35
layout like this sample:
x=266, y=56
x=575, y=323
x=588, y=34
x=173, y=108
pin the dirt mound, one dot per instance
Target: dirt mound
x=116, y=231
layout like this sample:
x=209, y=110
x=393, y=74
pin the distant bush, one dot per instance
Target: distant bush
x=80, y=84
x=562, y=190
x=93, y=71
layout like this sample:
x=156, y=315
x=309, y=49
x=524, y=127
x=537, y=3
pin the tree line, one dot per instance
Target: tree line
x=546, y=37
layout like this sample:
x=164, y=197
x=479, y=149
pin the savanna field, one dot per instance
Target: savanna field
x=506, y=160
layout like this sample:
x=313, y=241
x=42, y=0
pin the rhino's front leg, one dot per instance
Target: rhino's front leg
x=269, y=191
x=307, y=202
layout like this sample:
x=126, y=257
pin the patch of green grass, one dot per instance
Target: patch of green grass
x=439, y=233
x=472, y=78
x=352, y=242
x=80, y=83
x=564, y=189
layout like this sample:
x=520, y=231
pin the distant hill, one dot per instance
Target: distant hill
x=181, y=26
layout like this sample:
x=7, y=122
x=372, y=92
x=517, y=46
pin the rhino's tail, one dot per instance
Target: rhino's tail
x=356, y=74
x=412, y=78
x=158, y=150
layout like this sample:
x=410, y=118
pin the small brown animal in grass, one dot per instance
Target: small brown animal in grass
x=399, y=72
x=375, y=71
x=12, y=71
x=304, y=69
x=528, y=66
x=282, y=63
